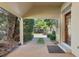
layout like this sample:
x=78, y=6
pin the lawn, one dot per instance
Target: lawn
x=40, y=41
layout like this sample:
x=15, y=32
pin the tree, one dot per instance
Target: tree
x=41, y=24
x=3, y=25
x=51, y=22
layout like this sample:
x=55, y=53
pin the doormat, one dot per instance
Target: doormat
x=55, y=49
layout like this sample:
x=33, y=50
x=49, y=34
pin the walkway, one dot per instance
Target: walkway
x=32, y=49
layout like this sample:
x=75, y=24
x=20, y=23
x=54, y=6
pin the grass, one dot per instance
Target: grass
x=40, y=41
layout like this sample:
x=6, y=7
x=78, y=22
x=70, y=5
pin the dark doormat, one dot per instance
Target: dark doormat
x=55, y=49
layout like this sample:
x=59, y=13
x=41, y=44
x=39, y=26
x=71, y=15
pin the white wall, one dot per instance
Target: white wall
x=75, y=29
x=74, y=26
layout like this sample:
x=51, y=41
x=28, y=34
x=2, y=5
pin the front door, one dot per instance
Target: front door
x=68, y=28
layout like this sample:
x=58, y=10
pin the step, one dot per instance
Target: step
x=65, y=47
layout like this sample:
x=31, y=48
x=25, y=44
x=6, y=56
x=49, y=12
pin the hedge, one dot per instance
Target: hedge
x=28, y=29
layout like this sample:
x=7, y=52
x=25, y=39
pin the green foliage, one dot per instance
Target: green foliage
x=40, y=41
x=3, y=25
x=52, y=36
x=40, y=24
x=28, y=25
x=51, y=22
x=28, y=29
x=3, y=22
x=48, y=22
x=28, y=37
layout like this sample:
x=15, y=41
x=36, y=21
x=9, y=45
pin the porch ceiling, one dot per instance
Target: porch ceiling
x=21, y=8
x=50, y=4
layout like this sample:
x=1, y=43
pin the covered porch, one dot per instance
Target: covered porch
x=66, y=34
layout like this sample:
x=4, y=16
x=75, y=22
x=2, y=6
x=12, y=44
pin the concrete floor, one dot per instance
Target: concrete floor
x=32, y=49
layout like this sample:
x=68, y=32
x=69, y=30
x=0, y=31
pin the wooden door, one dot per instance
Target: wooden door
x=68, y=28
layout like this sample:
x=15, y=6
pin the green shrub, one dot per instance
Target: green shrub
x=52, y=36
x=28, y=37
x=40, y=41
x=28, y=29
